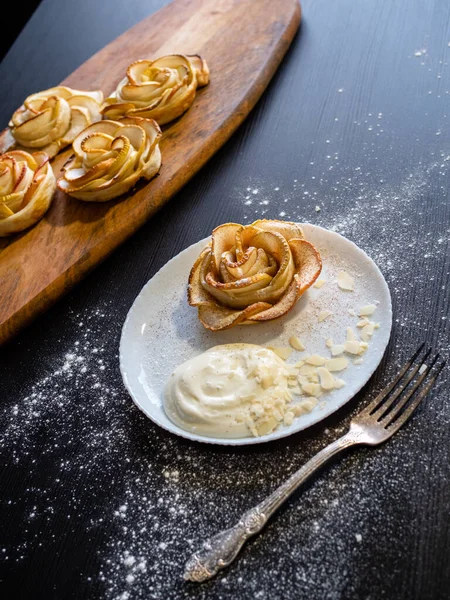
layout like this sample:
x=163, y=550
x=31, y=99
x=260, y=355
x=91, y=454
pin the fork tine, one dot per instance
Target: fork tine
x=396, y=424
x=389, y=415
x=385, y=406
x=370, y=408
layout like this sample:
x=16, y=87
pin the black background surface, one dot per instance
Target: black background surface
x=355, y=121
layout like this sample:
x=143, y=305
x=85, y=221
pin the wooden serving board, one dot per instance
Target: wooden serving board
x=243, y=42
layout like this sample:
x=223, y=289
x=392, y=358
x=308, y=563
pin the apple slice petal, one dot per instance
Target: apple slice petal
x=5, y=211
x=287, y=229
x=201, y=69
x=308, y=263
x=79, y=121
x=196, y=293
x=217, y=318
x=286, y=302
x=223, y=239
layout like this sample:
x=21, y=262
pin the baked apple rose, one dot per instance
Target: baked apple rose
x=27, y=185
x=50, y=120
x=109, y=158
x=161, y=89
x=251, y=273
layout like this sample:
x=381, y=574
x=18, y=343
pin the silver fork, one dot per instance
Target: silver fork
x=375, y=424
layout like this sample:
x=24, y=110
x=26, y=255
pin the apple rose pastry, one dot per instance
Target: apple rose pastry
x=251, y=273
x=27, y=185
x=161, y=89
x=109, y=158
x=50, y=120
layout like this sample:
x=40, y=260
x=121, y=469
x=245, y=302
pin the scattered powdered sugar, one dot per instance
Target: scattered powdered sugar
x=156, y=497
x=81, y=373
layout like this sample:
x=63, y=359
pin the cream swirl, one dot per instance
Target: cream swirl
x=251, y=273
x=27, y=185
x=109, y=158
x=229, y=391
x=161, y=89
x=50, y=120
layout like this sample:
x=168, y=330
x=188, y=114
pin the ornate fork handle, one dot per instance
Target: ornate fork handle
x=220, y=551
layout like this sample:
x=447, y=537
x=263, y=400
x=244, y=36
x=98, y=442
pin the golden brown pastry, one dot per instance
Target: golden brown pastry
x=109, y=158
x=161, y=89
x=50, y=120
x=251, y=273
x=27, y=185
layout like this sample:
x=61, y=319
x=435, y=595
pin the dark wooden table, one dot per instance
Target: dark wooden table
x=96, y=501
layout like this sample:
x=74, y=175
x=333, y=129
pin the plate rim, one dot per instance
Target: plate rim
x=282, y=432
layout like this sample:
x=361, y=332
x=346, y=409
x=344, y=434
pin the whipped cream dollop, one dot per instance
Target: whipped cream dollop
x=229, y=391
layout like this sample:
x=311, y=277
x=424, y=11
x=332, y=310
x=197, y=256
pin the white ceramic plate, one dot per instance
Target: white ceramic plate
x=161, y=330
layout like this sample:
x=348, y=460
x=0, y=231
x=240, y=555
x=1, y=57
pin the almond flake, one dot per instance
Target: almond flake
x=365, y=321
x=307, y=370
x=329, y=343
x=345, y=281
x=304, y=406
x=283, y=353
x=352, y=312
x=350, y=335
x=352, y=347
x=337, y=349
x=268, y=426
x=312, y=389
x=303, y=380
x=266, y=382
x=319, y=283
x=292, y=370
x=327, y=381
x=296, y=391
x=289, y=418
x=278, y=416
x=358, y=361
x=310, y=403
x=324, y=314
x=339, y=383
x=296, y=343
x=315, y=360
x=367, y=310
x=337, y=364
x=367, y=332
x=257, y=410
x=298, y=410
x=355, y=347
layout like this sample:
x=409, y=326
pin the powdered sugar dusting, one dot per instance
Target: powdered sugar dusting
x=163, y=496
